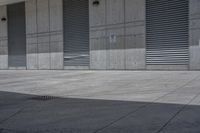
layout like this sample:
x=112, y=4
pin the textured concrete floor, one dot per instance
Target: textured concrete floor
x=100, y=102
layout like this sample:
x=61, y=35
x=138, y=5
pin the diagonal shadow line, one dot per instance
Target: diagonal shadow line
x=148, y=104
x=177, y=113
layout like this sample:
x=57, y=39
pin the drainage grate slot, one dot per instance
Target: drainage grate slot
x=43, y=98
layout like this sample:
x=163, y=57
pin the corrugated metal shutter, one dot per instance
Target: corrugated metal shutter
x=16, y=35
x=167, y=24
x=76, y=33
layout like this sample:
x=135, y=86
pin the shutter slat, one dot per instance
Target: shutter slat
x=167, y=24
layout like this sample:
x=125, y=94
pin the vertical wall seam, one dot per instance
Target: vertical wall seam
x=6, y=11
x=189, y=55
x=62, y=31
x=124, y=34
x=50, y=67
x=145, y=8
x=6, y=14
x=89, y=34
x=106, y=39
x=25, y=37
x=7, y=33
x=36, y=8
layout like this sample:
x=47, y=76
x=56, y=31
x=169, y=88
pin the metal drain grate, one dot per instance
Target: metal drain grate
x=43, y=98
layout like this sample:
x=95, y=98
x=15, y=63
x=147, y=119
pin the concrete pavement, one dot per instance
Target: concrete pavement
x=99, y=102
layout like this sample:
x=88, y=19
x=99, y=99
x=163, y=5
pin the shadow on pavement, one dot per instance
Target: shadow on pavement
x=22, y=113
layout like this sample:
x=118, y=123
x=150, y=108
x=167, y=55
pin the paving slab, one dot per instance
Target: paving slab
x=99, y=101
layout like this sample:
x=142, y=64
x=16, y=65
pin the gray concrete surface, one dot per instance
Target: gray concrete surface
x=123, y=19
x=100, y=102
x=194, y=34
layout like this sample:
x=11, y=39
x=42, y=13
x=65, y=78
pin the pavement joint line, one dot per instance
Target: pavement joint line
x=176, y=89
x=148, y=104
x=122, y=117
x=16, y=131
x=177, y=113
x=8, y=118
x=143, y=106
x=13, y=115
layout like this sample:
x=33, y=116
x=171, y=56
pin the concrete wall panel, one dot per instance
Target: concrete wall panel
x=98, y=48
x=43, y=52
x=99, y=32
x=195, y=58
x=31, y=17
x=44, y=20
x=56, y=15
x=116, y=53
x=43, y=34
x=43, y=16
x=195, y=37
x=3, y=39
x=31, y=34
x=194, y=7
x=135, y=59
x=134, y=10
x=56, y=50
x=56, y=33
x=97, y=13
x=135, y=43
x=135, y=52
x=115, y=11
x=194, y=34
x=98, y=53
x=117, y=34
x=32, y=57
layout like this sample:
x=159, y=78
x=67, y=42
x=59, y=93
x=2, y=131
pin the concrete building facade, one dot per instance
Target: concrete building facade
x=117, y=35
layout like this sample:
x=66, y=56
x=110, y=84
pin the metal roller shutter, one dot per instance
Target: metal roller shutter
x=16, y=35
x=167, y=23
x=76, y=33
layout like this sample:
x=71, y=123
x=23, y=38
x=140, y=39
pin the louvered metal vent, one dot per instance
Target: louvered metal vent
x=76, y=33
x=167, y=23
x=16, y=35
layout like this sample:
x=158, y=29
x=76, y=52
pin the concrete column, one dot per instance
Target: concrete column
x=135, y=45
x=98, y=46
x=107, y=35
x=3, y=39
x=31, y=34
x=43, y=27
x=56, y=33
x=115, y=10
x=117, y=34
x=194, y=34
